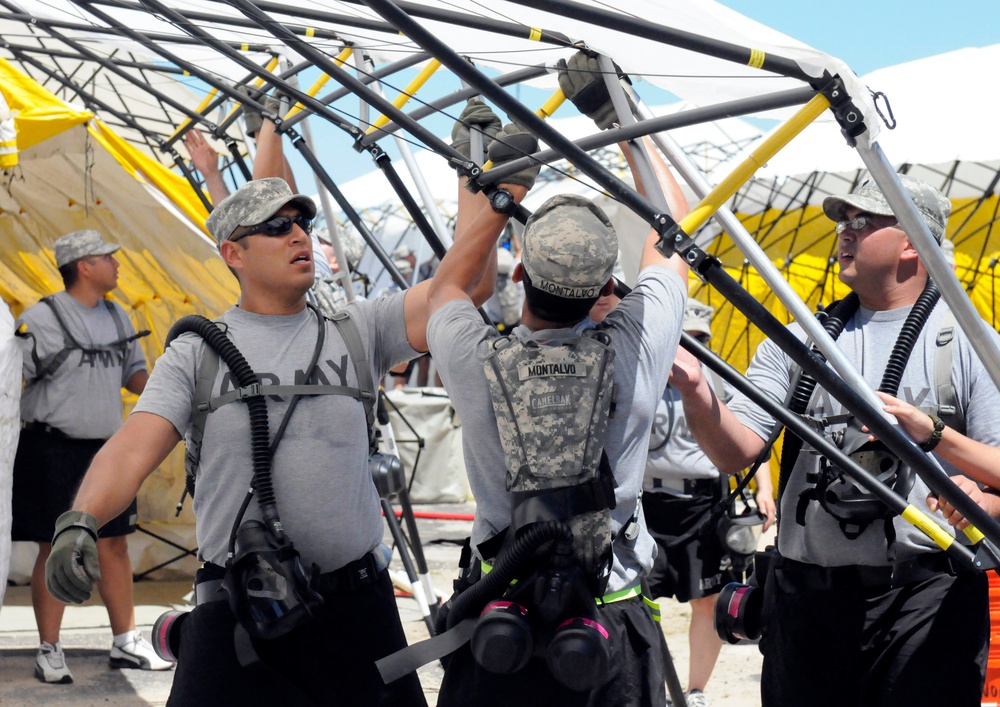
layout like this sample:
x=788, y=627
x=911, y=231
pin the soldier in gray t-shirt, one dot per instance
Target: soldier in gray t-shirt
x=79, y=351
x=568, y=255
x=322, y=488
x=863, y=612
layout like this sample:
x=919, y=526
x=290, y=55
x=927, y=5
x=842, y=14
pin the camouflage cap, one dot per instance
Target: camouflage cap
x=698, y=317
x=867, y=196
x=570, y=248
x=80, y=244
x=253, y=203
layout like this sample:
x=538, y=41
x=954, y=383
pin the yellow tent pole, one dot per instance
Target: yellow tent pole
x=407, y=93
x=716, y=198
x=552, y=105
x=341, y=59
x=548, y=108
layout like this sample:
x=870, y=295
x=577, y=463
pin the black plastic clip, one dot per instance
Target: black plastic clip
x=850, y=118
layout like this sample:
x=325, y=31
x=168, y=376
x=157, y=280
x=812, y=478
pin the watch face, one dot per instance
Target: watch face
x=502, y=202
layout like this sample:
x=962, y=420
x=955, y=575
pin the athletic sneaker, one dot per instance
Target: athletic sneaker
x=137, y=653
x=696, y=698
x=50, y=665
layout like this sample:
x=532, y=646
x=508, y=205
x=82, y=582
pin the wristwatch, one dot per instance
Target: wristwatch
x=935, y=435
x=502, y=201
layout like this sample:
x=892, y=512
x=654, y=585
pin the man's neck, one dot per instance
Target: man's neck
x=536, y=323
x=905, y=294
x=271, y=305
x=85, y=295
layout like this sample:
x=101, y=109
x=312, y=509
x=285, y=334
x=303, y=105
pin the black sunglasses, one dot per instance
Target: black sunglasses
x=278, y=226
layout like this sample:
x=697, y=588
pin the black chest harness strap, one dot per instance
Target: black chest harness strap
x=205, y=403
x=46, y=369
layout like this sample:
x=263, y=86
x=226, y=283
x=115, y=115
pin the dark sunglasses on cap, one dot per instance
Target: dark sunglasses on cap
x=278, y=226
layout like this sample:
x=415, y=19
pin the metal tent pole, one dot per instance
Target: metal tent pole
x=982, y=339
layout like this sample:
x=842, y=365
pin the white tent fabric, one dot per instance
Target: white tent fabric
x=695, y=77
x=10, y=427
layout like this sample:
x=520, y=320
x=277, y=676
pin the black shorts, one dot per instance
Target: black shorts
x=48, y=469
x=691, y=569
x=636, y=680
x=329, y=660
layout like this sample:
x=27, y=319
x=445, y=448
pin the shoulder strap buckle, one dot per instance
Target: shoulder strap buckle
x=249, y=391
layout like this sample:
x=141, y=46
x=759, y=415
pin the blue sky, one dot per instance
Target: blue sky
x=871, y=34
x=866, y=34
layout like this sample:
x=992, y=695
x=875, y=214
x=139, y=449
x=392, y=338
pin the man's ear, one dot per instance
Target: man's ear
x=232, y=254
x=517, y=275
x=909, y=251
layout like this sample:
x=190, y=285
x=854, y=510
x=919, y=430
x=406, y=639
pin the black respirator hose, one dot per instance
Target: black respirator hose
x=907, y=338
x=836, y=320
x=259, y=430
x=508, y=562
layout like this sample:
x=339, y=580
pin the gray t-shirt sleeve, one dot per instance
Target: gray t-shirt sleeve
x=770, y=371
x=383, y=321
x=135, y=360
x=170, y=390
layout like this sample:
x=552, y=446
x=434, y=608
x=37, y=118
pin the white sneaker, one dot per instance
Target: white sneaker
x=696, y=698
x=137, y=654
x=50, y=665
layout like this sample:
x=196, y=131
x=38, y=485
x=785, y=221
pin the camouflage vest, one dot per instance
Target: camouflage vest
x=552, y=395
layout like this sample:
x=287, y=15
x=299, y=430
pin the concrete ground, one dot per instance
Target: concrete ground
x=87, y=638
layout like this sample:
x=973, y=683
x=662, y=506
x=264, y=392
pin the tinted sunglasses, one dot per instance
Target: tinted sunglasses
x=858, y=223
x=278, y=226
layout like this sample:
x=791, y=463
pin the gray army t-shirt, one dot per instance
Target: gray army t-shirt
x=867, y=340
x=83, y=396
x=673, y=453
x=325, y=495
x=645, y=330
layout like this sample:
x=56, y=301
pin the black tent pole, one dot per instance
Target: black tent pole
x=694, y=116
x=595, y=14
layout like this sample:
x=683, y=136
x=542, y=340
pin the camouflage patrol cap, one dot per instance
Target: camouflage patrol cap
x=570, y=248
x=698, y=317
x=867, y=196
x=81, y=244
x=253, y=203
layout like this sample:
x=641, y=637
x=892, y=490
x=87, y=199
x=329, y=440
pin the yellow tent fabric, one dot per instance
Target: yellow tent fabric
x=73, y=176
x=38, y=113
x=173, y=185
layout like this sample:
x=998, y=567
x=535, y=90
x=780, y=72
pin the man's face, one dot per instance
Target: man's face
x=870, y=254
x=101, y=270
x=279, y=263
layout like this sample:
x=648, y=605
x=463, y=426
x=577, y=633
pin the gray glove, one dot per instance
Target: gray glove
x=273, y=103
x=511, y=143
x=72, y=567
x=583, y=83
x=478, y=116
x=251, y=118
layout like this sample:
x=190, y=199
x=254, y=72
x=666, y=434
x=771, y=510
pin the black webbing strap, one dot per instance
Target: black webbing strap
x=60, y=357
